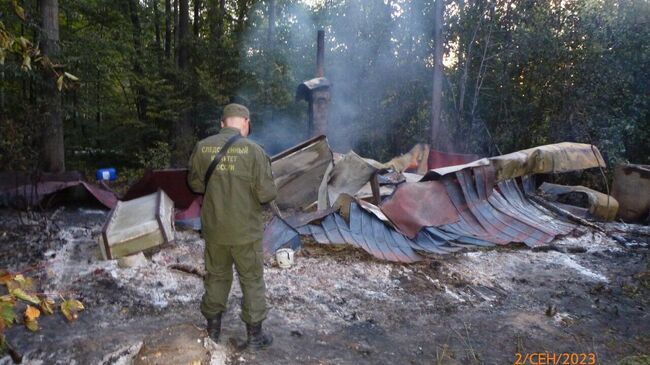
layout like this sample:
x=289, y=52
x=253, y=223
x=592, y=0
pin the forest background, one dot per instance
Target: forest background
x=133, y=84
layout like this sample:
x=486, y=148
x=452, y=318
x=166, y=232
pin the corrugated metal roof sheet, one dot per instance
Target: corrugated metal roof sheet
x=466, y=206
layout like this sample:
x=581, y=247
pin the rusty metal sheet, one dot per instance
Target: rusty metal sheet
x=348, y=176
x=495, y=220
x=515, y=197
x=469, y=224
x=599, y=205
x=552, y=158
x=442, y=159
x=24, y=196
x=416, y=205
x=485, y=214
x=632, y=190
x=303, y=218
x=298, y=172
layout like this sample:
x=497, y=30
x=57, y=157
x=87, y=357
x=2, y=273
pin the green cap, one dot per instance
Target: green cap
x=235, y=110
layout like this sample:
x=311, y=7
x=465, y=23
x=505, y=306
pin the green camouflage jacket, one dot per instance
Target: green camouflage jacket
x=240, y=184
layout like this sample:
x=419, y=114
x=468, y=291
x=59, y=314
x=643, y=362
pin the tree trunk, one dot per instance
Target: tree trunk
x=183, y=41
x=270, y=41
x=221, y=19
x=197, y=17
x=436, y=100
x=53, y=157
x=175, y=25
x=184, y=131
x=241, y=17
x=156, y=23
x=271, y=31
x=216, y=9
x=211, y=7
x=168, y=29
x=140, y=92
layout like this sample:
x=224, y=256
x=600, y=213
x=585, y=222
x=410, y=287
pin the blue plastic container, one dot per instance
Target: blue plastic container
x=106, y=174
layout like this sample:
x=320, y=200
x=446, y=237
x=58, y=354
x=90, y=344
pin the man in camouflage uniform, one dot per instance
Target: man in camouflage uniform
x=232, y=222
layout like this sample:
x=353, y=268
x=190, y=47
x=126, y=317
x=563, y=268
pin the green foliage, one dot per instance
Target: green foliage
x=520, y=73
x=156, y=157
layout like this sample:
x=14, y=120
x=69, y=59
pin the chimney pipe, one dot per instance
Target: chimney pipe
x=320, y=54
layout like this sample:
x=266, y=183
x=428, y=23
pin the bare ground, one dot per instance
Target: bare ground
x=587, y=293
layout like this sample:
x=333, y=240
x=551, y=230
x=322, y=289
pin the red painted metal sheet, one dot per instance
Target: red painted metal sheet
x=416, y=205
x=33, y=194
x=172, y=181
x=470, y=223
x=443, y=159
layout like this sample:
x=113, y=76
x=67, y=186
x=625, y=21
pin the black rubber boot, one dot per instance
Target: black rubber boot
x=214, y=327
x=257, y=339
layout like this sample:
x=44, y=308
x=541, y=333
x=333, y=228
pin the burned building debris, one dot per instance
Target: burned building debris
x=480, y=203
x=22, y=191
x=381, y=208
x=632, y=190
x=173, y=182
x=136, y=225
x=299, y=171
x=317, y=93
x=581, y=201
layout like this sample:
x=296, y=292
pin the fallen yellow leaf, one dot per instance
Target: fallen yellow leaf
x=32, y=325
x=31, y=313
x=70, y=308
x=47, y=306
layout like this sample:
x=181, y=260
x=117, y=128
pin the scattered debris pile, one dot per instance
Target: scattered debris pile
x=632, y=190
x=581, y=201
x=174, y=183
x=137, y=225
x=396, y=211
x=476, y=204
x=20, y=190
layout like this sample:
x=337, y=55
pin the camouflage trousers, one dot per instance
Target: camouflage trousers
x=249, y=263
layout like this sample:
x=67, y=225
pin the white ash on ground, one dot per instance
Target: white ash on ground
x=327, y=286
x=338, y=305
x=77, y=263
